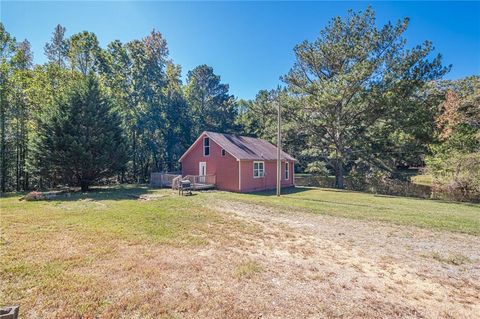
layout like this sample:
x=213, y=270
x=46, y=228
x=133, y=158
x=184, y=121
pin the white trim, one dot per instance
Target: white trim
x=263, y=169
x=239, y=176
x=293, y=172
x=195, y=143
x=191, y=147
x=287, y=171
x=204, y=147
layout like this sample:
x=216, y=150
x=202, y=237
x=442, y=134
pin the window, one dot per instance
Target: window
x=287, y=172
x=258, y=169
x=206, y=146
x=223, y=152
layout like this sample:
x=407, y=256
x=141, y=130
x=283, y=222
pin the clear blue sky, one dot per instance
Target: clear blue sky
x=249, y=44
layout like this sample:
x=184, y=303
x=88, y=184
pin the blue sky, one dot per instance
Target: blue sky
x=249, y=44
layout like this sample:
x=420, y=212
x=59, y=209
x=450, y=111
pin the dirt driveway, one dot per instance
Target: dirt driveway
x=311, y=266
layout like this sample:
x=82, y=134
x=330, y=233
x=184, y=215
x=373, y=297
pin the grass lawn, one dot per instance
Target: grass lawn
x=48, y=247
x=425, y=179
x=108, y=253
x=450, y=216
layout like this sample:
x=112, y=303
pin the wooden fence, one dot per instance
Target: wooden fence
x=163, y=179
x=385, y=187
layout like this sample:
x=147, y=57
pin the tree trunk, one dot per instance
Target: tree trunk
x=17, y=157
x=339, y=175
x=3, y=160
x=134, y=151
x=84, y=186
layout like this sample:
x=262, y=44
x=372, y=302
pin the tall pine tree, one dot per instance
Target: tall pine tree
x=213, y=108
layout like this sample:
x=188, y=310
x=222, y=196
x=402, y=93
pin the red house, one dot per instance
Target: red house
x=236, y=163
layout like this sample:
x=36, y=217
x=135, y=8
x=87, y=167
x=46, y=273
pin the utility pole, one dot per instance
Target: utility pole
x=279, y=150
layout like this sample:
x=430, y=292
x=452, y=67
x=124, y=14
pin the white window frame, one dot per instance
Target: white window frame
x=205, y=146
x=260, y=172
x=223, y=152
x=287, y=171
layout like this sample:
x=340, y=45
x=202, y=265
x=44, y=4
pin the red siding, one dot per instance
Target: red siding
x=269, y=181
x=226, y=169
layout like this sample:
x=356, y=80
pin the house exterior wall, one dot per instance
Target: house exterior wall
x=225, y=168
x=269, y=181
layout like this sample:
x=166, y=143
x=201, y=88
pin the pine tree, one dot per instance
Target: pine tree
x=80, y=140
x=213, y=108
x=354, y=82
x=57, y=49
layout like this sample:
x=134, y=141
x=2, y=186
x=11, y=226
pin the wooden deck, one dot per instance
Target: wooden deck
x=201, y=182
x=173, y=180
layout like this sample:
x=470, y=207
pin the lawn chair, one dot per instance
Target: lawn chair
x=185, y=186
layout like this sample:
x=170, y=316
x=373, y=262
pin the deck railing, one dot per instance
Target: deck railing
x=201, y=179
x=176, y=181
x=173, y=180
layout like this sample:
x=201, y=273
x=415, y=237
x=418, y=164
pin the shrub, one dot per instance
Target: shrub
x=456, y=176
x=34, y=196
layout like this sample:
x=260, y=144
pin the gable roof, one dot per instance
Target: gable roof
x=243, y=147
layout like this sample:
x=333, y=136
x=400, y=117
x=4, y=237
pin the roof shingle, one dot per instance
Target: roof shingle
x=247, y=148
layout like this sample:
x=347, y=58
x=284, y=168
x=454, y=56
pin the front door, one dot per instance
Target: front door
x=202, y=171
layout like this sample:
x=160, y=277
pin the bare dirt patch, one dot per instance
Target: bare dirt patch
x=325, y=266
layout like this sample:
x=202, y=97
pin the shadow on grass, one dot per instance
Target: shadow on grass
x=300, y=189
x=285, y=191
x=12, y=194
x=290, y=192
x=121, y=192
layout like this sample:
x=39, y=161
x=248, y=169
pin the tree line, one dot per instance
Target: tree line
x=158, y=115
x=357, y=102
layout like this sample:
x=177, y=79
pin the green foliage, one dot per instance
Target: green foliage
x=83, y=52
x=455, y=164
x=7, y=51
x=148, y=90
x=359, y=88
x=456, y=175
x=145, y=88
x=259, y=117
x=80, y=140
x=455, y=160
x=213, y=108
x=15, y=75
x=57, y=50
x=357, y=102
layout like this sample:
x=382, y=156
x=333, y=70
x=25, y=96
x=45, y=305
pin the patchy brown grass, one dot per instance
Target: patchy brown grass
x=248, y=269
x=110, y=256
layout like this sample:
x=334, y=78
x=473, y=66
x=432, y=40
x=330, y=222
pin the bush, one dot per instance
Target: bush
x=34, y=196
x=456, y=176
